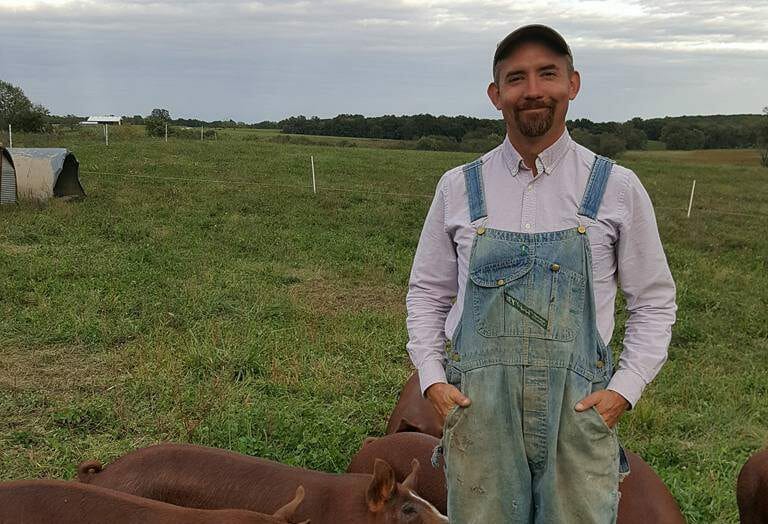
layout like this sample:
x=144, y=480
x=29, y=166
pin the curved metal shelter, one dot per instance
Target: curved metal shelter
x=7, y=178
x=42, y=173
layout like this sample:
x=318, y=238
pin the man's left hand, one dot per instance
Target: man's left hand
x=609, y=404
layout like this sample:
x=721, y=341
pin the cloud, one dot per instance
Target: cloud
x=269, y=59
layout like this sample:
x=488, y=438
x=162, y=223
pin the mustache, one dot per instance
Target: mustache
x=533, y=104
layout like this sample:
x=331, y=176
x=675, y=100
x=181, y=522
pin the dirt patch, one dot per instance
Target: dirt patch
x=13, y=249
x=54, y=371
x=331, y=297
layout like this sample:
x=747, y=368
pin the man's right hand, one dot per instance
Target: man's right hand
x=444, y=396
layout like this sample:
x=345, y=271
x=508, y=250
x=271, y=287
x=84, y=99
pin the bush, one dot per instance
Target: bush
x=606, y=144
x=436, y=143
x=480, y=145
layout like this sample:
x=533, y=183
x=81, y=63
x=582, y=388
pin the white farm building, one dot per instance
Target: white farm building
x=97, y=120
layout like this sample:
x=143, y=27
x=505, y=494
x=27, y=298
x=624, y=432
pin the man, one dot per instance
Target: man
x=518, y=266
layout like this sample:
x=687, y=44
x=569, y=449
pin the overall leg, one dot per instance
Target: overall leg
x=580, y=480
x=486, y=468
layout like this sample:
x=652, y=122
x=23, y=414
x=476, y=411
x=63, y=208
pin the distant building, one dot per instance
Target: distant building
x=108, y=119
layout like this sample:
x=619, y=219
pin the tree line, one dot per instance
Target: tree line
x=429, y=132
x=610, y=138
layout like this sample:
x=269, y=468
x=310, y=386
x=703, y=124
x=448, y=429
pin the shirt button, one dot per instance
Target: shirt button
x=530, y=187
x=600, y=363
x=500, y=282
x=480, y=230
x=582, y=229
x=527, y=226
x=555, y=267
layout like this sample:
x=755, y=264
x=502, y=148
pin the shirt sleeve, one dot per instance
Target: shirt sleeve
x=649, y=290
x=432, y=285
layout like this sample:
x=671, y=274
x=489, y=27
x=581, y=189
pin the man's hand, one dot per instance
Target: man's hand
x=609, y=404
x=444, y=396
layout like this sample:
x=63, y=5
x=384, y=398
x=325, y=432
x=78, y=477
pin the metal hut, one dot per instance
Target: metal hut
x=7, y=178
x=42, y=173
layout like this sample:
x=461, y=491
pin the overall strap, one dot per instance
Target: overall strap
x=473, y=176
x=598, y=179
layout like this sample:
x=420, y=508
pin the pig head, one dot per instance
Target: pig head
x=399, y=449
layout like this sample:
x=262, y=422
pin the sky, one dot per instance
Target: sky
x=267, y=60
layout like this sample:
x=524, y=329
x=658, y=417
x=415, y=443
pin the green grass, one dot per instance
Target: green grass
x=202, y=293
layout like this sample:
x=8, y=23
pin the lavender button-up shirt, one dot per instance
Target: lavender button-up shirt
x=626, y=251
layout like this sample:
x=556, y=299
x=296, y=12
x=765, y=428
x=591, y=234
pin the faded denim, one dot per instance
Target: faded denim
x=526, y=350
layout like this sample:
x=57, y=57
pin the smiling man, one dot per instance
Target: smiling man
x=518, y=266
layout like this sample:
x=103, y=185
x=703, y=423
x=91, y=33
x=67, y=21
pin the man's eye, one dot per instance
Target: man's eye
x=512, y=79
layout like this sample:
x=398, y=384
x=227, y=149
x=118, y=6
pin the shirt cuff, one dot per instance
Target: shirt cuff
x=628, y=384
x=431, y=372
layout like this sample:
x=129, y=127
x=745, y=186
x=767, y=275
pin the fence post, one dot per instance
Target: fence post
x=10, y=136
x=690, y=202
x=314, y=185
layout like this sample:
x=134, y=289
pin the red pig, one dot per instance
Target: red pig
x=60, y=502
x=200, y=477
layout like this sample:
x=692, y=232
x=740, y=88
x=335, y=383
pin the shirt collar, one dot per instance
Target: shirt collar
x=547, y=160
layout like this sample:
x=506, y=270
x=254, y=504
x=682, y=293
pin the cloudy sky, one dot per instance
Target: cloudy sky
x=269, y=59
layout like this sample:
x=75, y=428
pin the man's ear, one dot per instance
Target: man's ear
x=494, y=95
x=575, y=85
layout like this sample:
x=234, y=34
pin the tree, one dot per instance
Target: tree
x=156, y=121
x=18, y=111
x=633, y=136
x=679, y=136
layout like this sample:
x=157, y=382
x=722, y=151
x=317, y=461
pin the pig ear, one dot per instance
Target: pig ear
x=286, y=511
x=381, y=487
x=368, y=440
x=412, y=480
x=406, y=425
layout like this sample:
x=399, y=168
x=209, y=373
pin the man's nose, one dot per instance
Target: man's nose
x=533, y=87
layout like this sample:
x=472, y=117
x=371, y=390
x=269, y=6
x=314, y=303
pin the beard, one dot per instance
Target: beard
x=535, y=125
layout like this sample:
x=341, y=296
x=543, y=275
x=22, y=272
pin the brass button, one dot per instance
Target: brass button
x=480, y=230
x=500, y=282
x=555, y=267
x=582, y=229
x=600, y=363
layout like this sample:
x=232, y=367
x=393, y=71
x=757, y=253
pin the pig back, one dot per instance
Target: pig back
x=201, y=477
x=645, y=498
x=60, y=502
x=413, y=412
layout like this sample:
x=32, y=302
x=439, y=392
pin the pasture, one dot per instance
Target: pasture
x=202, y=293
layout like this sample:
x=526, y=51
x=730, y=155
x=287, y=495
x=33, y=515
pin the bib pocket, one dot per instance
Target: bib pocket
x=527, y=296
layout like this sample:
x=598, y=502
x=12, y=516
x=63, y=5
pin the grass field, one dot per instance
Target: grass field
x=202, y=293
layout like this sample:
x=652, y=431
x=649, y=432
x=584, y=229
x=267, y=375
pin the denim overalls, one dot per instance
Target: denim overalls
x=526, y=350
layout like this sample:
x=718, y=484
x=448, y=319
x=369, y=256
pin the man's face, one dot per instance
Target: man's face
x=533, y=90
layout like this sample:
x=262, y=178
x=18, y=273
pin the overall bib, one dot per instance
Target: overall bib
x=526, y=350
